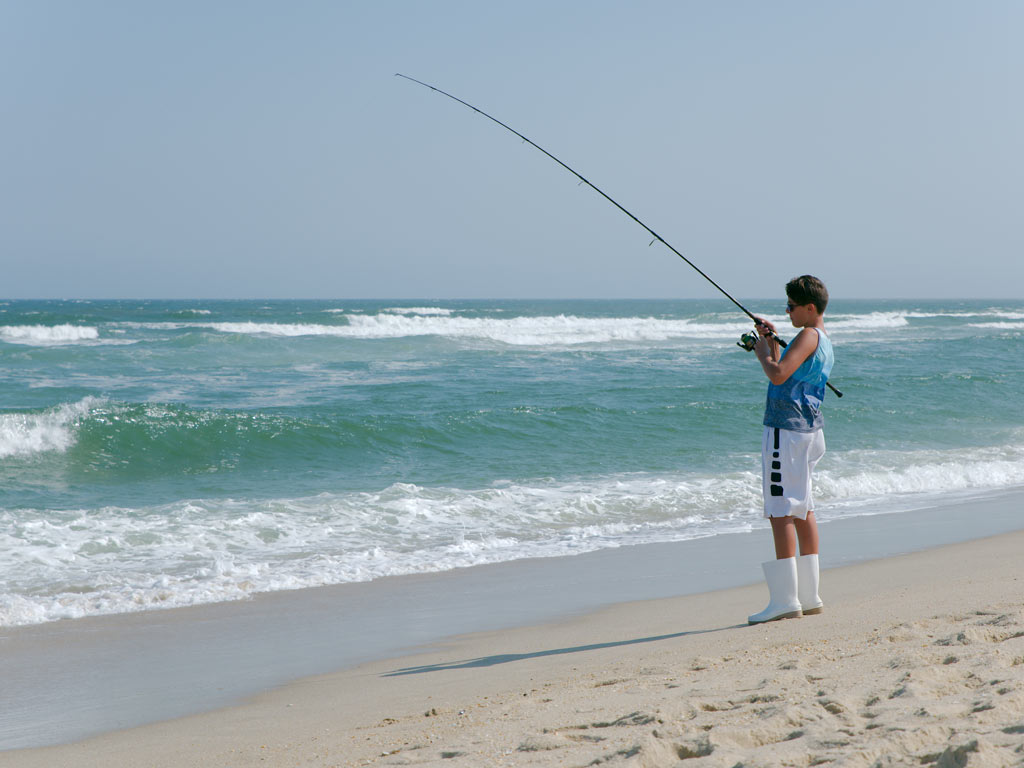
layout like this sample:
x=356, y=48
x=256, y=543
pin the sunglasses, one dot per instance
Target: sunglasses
x=790, y=306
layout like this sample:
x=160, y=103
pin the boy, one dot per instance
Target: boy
x=793, y=443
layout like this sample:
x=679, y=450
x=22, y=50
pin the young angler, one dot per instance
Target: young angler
x=793, y=443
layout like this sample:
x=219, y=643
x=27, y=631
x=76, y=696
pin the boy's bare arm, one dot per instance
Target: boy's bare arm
x=777, y=368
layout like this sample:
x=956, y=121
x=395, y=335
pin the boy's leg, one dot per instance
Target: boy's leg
x=787, y=531
x=784, y=534
x=807, y=533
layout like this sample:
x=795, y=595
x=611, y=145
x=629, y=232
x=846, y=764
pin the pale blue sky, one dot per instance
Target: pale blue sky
x=265, y=149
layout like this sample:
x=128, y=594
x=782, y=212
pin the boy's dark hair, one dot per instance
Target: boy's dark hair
x=808, y=289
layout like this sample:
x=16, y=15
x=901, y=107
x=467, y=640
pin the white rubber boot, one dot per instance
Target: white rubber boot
x=807, y=583
x=783, y=602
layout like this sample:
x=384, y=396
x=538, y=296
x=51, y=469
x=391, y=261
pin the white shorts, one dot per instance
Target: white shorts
x=787, y=460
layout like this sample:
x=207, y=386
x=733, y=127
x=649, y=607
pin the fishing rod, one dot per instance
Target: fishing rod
x=747, y=341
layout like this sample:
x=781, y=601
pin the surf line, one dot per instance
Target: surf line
x=603, y=194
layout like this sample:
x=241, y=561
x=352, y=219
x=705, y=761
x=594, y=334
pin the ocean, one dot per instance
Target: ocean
x=167, y=453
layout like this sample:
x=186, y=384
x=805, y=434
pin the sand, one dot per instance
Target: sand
x=917, y=660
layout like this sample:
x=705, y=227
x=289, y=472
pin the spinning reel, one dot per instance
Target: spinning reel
x=748, y=340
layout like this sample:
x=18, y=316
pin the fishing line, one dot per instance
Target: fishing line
x=603, y=194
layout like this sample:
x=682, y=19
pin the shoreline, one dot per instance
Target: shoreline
x=918, y=656
x=90, y=679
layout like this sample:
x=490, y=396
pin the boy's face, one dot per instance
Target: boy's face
x=801, y=315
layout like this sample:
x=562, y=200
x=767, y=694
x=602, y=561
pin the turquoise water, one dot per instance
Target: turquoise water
x=160, y=453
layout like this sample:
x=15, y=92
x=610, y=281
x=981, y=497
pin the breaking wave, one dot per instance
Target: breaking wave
x=47, y=335
x=23, y=434
x=114, y=560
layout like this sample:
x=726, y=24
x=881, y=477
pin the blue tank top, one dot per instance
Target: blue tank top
x=796, y=403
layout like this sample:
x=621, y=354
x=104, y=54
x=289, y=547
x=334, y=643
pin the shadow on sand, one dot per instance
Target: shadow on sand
x=506, y=658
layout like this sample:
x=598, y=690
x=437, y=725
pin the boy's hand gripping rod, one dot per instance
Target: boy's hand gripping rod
x=601, y=192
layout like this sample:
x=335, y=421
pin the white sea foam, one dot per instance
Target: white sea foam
x=994, y=312
x=545, y=330
x=156, y=326
x=570, y=329
x=111, y=560
x=1000, y=326
x=47, y=335
x=22, y=434
x=869, y=322
x=439, y=311
x=279, y=329
x=913, y=476
x=246, y=328
x=442, y=311
x=532, y=330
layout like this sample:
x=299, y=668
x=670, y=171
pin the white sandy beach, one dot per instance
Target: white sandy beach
x=918, y=660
